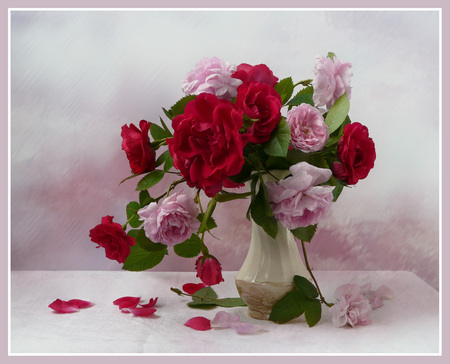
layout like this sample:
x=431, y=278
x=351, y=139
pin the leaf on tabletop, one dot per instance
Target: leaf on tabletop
x=313, y=311
x=305, y=287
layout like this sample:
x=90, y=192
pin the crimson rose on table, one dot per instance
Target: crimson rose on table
x=206, y=146
x=356, y=154
x=262, y=103
x=112, y=237
x=136, y=144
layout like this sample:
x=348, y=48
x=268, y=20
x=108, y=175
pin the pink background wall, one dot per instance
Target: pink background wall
x=78, y=76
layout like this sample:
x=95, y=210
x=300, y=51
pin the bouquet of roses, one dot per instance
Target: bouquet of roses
x=229, y=130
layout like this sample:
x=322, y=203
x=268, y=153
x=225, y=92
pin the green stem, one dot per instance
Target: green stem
x=303, y=83
x=312, y=276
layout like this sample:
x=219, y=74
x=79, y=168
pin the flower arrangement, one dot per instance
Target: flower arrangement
x=235, y=125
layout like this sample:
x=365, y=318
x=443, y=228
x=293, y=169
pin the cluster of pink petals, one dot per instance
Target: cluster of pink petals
x=173, y=221
x=222, y=319
x=352, y=308
x=70, y=306
x=309, y=133
x=132, y=305
x=298, y=200
x=213, y=76
x=377, y=297
x=331, y=81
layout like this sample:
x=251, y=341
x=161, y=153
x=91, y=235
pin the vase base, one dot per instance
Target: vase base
x=260, y=297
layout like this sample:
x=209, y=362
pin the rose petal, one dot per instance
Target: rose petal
x=191, y=288
x=140, y=311
x=385, y=293
x=245, y=327
x=127, y=302
x=63, y=306
x=80, y=303
x=224, y=319
x=151, y=303
x=199, y=323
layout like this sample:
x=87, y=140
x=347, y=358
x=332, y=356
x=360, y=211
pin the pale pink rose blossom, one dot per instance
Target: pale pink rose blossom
x=332, y=79
x=309, y=133
x=173, y=221
x=352, y=308
x=213, y=76
x=298, y=201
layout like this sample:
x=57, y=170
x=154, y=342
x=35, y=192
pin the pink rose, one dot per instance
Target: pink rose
x=213, y=76
x=331, y=81
x=209, y=270
x=112, y=237
x=352, y=307
x=298, y=201
x=259, y=73
x=173, y=221
x=309, y=133
x=262, y=103
x=136, y=144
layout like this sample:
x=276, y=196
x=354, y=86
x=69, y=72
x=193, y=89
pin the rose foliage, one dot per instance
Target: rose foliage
x=234, y=125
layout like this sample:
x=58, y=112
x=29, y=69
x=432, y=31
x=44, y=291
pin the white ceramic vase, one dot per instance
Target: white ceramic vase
x=268, y=270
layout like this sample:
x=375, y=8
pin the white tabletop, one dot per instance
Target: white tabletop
x=409, y=324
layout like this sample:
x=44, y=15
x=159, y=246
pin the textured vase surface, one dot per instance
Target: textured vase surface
x=268, y=270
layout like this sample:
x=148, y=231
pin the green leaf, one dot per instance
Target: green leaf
x=287, y=308
x=150, y=180
x=229, y=196
x=133, y=233
x=244, y=175
x=162, y=158
x=178, y=108
x=132, y=216
x=210, y=224
x=222, y=302
x=278, y=145
x=285, y=88
x=262, y=213
x=145, y=198
x=304, y=96
x=313, y=311
x=305, y=233
x=204, y=294
x=338, y=113
x=331, y=55
x=168, y=113
x=208, y=213
x=148, y=245
x=165, y=126
x=189, y=248
x=169, y=163
x=159, y=133
x=141, y=259
x=306, y=287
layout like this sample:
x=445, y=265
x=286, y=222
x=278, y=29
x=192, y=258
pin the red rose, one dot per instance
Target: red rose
x=112, y=237
x=206, y=146
x=356, y=154
x=209, y=270
x=136, y=144
x=259, y=73
x=261, y=102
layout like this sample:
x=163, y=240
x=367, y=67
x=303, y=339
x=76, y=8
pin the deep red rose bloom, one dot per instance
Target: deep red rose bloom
x=206, y=146
x=209, y=270
x=259, y=101
x=112, y=237
x=136, y=144
x=356, y=154
x=259, y=73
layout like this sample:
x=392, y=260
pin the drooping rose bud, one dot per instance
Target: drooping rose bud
x=209, y=270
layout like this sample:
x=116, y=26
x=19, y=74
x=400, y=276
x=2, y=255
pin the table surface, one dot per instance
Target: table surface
x=409, y=324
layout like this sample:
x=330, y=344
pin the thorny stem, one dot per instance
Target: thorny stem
x=312, y=276
x=204, y=249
